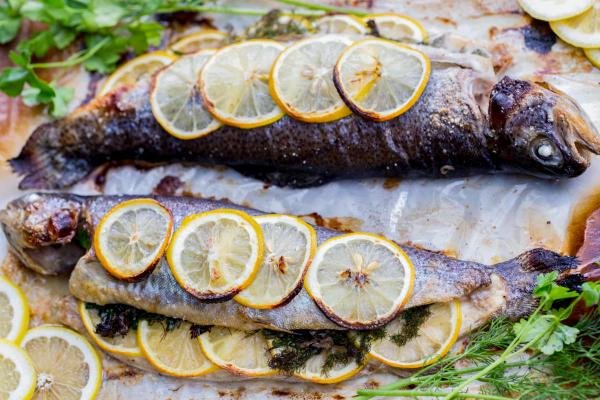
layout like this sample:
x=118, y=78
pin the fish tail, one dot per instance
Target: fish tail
x=44, y=164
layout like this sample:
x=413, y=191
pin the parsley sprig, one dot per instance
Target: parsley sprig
x=559, y=357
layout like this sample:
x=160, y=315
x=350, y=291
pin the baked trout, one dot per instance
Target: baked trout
x=52, y=223
x=462, y=124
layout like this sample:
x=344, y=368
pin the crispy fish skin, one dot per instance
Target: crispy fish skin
x=461, y=125
x=438, y=278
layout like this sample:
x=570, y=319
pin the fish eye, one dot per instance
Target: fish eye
x=545, y=151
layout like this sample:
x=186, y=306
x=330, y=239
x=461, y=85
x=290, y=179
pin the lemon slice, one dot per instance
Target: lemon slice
x=553, y=10
x=235, y=84
x=121, y=345
x=341, y=23
x=381, y=79
x=593, y=55
x=435, y=336
x=174, y=352
x=290, y=244
x=216, y=254
x=67, y=366
x=205, y=39
x=238, y=352
x=398, y=27
x=582, y=30
x=136, y=69
x=313, y=370
x=360, y=280
x=17, y=375
x=14, y=312
x=176, y=101
x=132, y=236
x=302, y=79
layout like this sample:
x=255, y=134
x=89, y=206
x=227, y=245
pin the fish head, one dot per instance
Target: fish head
x=540, y=131
x=40, y=229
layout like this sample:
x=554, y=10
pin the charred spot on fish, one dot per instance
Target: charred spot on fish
x=504, y=99
x=168, y=186
x=538, y=36
x=62, y=225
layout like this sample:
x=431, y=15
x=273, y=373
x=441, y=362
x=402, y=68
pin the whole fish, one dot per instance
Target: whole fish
x=53, y=222
x=462, y=124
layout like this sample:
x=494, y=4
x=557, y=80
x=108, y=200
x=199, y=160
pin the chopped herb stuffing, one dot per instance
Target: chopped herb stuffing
x=413, y=319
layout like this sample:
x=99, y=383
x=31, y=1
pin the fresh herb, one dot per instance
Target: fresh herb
x=119, y=319
x=537, y=358
x=291, y=351
x=82, y=236
x=413, y=318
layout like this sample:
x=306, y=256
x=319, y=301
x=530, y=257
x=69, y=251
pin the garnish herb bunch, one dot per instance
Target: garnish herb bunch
x=536, y=358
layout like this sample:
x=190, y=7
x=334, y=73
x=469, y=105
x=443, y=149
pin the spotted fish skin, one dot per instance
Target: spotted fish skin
x=438, y=278
x=462, y=124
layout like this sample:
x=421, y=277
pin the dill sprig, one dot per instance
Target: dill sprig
x=537, y=358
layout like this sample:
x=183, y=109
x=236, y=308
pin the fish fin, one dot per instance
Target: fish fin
x=542, y=261
x=280, y=178
x=44, y=165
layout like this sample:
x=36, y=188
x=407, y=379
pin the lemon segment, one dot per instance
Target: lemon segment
x=203, y=40
x=132, y=236
x=216, y=254
x=553, y=10
x=302, y=79
x=176, y=101
x=14, y=312
x=173, y=352
x=235, y=84
x=593, y=55
x=345, y=24
x=360, y=280
x=582, y=30
x=290, y=245
x=435, y=337
x=135, y=70
x=238, y=352
x=67, y=366
x=17, y=375
x=381, y=79
x=120, y=345
x=398, y=27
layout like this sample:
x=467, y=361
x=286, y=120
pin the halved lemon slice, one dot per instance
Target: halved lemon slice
x=67, y=366
x=17, y=375
x=593, y=55
x=553, y=10
x=173, y=352
x=121, y=345
x=235, y=84
x=302, y=79
x=176, y=101
x=290, y=244
x=341, y=23
x=313, y=370
x=360, y=280
x=381, y=79
x=419, y=336
x=132, y=236
x=14, y=312
x=398, y=27
x=216, y=254
x=136, y=69
x=582, y=30
x=238, y=352
x=203, y=40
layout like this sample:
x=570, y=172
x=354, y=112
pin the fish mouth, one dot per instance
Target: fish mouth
x=577, y=130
